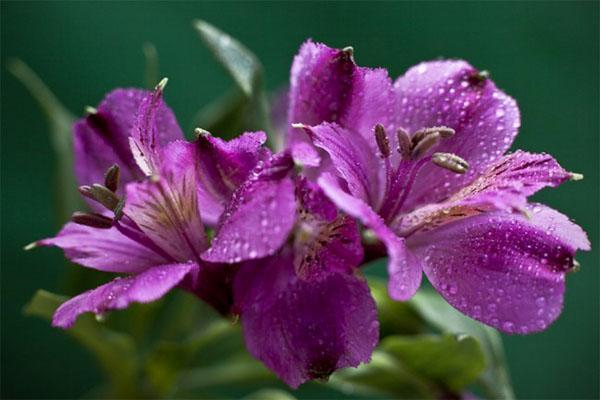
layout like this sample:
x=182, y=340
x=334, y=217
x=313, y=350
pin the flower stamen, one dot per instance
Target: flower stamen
x=404, y=143
x=451, y=162
x=383, y=142
x=92, y=219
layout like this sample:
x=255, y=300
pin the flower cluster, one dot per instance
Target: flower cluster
x=414, y=170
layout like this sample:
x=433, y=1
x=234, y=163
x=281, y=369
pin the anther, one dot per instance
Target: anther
x=92, y=219
x=382, y=141
x=426, y=142
x=111, y=178
x=104, y=196
x=86, y=191
x=404, y=143
x=444, y=132
x=451, y=162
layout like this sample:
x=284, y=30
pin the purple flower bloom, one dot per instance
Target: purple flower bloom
x=283, y=257
x=421, y=163
x=156, y=236
x=305, y=310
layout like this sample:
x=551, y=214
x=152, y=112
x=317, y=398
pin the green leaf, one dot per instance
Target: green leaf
x=437, y=312
x=60, y=121
x=169, y=358
x=270, y=394
x=451, y=361
x=238, y=61
x=115, y=352
x=246, y=108
x=230, y=372
x=152, y=70
x=395, y=317
x=383, y=377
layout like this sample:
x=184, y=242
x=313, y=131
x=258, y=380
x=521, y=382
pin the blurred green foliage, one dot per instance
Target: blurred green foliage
x=544, y=54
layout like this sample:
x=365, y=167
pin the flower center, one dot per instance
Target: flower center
x=106, y=196
x=414, y=155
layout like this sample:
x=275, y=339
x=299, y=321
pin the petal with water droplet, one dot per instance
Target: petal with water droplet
x=305, y=330
x=503, y=269
x=144, y=287
x=469, y=105
x=404, y=269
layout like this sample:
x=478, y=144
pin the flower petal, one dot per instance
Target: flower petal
x=103, y=249
x=165, y=207
x=325, y=240
x=256, y=223
x=505, y=185
x=449, y=93
x=222, y=167
x=305, y=330
x=352, y=158
x=327, y=86
x=155, y=126
x=144, y=287
x=503, y=269
x=404, y=269
x=101, y=139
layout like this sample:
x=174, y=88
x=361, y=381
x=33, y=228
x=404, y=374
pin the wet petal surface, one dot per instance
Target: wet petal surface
x=103, y=249
x=452, y=93
x=404, y=269
x=144, y=287
x=503, y=269
x=305, y=330
x=222, y=166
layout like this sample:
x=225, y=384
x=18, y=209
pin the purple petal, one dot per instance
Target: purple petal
x=503, y=269
x=154, y=127
x=103, y=249
x=505, y=185
x=448, y=93
x=222, y=167
x=325, y=241
x=101, y=139
x=353, y=159
x=305, y=330
x=165, y=207
x=147, y=286
x=513, y=178
x=327, y=86
x=305, y=154
x=404, y=268
x=256, y=223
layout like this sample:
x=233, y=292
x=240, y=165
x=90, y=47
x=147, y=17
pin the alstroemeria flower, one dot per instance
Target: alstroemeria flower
x=421, y=162
x=304, y=308
x=150, y=228
x=283, y=257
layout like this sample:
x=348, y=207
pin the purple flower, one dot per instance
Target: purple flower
x=148, y=224
x=304, y=307
x=283, y=257
x=421, y=162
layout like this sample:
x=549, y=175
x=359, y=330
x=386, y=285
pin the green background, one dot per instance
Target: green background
x=545, y=54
